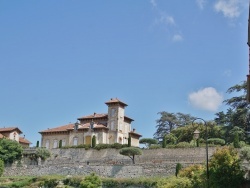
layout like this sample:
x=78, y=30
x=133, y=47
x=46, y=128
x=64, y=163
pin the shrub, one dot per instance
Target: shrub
x=93, y=141
x=102, y=146
x=173, y=182
x=155, y=146
x=1, y=167
x=49, y=183
x=216, y=141
x=37, y=144
x=60, y=143
x=196, y=174
x=177, y=169
x=91, y=181
x=225, y=161
x=183, y=145
x=116, y=146
x=73, y=181
x=164, y=142
x=43, y=153
x=129, y=141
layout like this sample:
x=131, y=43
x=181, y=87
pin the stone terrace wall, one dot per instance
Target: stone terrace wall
x=109, y=163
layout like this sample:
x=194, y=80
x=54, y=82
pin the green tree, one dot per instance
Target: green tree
x=169, y=121
x=1, y=167
x=60, y=143
x=91, y=181
x=238, y=113
x=245, y=153
x=148, y=141
x=37, y=144
x=225, y=168
x=10, y=150
x=236, y=140
x=93, y=141
x=164, y=142
x=131, y=152
x=129, y=141
x=43, y=153
x=178, y=167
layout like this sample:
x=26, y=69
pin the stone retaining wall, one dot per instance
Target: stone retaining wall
x=109, y=163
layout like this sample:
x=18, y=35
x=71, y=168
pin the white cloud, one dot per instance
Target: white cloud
x=206, y=99
x=153, y=2
x=165, y=19
x=201, y=3
x=229, y=8
x=177, y=38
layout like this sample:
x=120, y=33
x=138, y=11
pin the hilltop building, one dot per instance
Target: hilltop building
x=108, y=128
x=13, y=133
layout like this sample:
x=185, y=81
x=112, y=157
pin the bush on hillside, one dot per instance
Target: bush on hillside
x=216, y=141
x=173, y=182
x=1, y=167
x=91, y=181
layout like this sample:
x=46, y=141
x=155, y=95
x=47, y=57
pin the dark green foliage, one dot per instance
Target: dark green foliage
x=10, y=150
x=225, y=169
x=148, y=141
x=164, y=142
x=236, y=140
x=177, y=169
x=73, y=181
x=60, y=143
x=155, y=146
x=216, y=141
x=183, y=145
x=169, y=121
x=129, y=141
x=93, y=141
x=131, y=152
x=198, y=142
x=91, y=181
x=121, y=183
x=37, y=144
x=50, y=183
x=171, y=139
x=1, y=167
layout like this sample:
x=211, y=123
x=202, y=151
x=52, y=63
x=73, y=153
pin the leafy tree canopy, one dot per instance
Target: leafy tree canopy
x=148, y=141
x=10, y=150
x=225, y=161
x=169, y=121
x=131, y=152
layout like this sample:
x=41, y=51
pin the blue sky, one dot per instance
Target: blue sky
x=60, y=60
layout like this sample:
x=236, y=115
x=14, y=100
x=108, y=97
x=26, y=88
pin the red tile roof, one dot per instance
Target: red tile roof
x=59, y=129
x=10, y=129
x=71, y=127
x=94, y=116
x=113, y=101
x=24, y=140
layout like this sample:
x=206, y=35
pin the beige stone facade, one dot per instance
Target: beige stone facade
x=108, y=128
x=14, y=133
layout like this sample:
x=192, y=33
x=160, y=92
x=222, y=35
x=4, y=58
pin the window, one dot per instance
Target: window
x=75, y=141
x=63, y=142
x=112, y=126
x=55, y=144
x=112, y=112
x=47, y=144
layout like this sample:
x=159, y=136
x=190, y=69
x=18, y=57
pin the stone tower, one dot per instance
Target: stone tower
x=116, y=114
